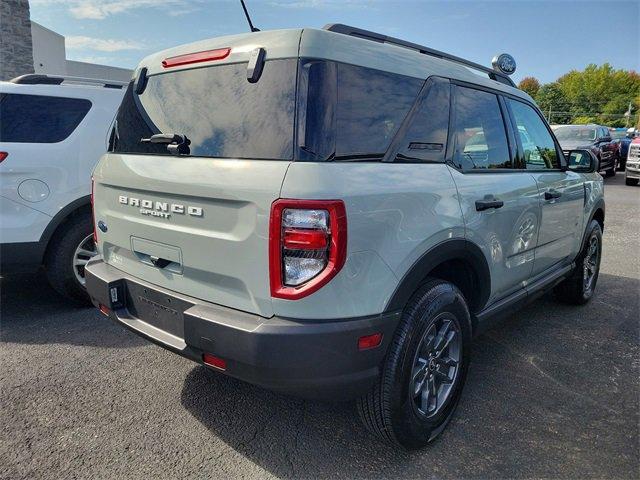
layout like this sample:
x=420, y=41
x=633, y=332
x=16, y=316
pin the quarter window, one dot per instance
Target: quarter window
x=350, y=113
x=39, y=118
x=537, y=144
x=480, y=139
x=371, y=106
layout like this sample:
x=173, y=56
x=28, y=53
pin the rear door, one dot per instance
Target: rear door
x=561, y=196
x=203, y=215
x=40, y=133
x=499, y=202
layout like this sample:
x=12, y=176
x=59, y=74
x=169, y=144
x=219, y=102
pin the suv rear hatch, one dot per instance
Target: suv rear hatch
x=198, y=223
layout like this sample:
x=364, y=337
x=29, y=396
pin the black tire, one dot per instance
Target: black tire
x=575, y=290
x=622, y=164
x=59, y=259
x=390, y=409
x=631, y=181
x=611, y=172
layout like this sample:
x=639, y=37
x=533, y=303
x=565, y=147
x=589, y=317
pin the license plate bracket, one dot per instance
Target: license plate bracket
x=156, y=308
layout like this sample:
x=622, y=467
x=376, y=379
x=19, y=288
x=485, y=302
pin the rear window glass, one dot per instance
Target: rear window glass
x=39, y=118
x=350, y=112
x=217, y=109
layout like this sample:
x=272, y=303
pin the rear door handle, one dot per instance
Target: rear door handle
x=488, y=203
x=552, y=194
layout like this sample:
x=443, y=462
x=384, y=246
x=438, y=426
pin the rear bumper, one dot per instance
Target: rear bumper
x=314, y=359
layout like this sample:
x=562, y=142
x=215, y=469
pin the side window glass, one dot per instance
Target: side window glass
x=480, y=140
x=539, y=149
x=426, y=137
x=39, y=118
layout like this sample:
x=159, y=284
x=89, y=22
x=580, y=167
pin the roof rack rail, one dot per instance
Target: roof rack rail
x=40, y=79
x=378, y=37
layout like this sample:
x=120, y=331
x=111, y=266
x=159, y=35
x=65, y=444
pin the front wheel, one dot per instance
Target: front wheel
x=611, y=172
x=580, y=286
x=424, y=370
x=631, y=181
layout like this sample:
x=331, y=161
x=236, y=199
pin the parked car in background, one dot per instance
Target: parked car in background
x=52, y=133
x=303, y=226
x=632, y=172
x=622, y=137
x=592, y=137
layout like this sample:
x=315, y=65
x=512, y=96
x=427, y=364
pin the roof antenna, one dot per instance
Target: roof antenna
x=246, y=14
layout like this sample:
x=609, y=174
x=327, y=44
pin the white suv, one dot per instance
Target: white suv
x=52, y=132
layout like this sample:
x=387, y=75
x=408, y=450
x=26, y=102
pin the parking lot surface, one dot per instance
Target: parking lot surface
x=552, y=392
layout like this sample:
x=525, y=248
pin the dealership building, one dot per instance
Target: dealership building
x=28, y=47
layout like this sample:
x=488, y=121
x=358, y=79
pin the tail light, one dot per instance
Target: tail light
x=93, y=214
x=3, y=155
x=307, y=245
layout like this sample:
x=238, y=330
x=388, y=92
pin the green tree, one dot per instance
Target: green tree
x=600, y=94
x=553, y=103
x=531, y=85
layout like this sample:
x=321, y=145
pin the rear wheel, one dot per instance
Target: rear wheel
x=622, y=163
x=579, y=288
x=424, y=370
x=68, y=253
x=631, y=181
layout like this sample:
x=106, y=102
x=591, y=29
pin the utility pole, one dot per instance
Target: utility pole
x=549, y=115
x=628, y=115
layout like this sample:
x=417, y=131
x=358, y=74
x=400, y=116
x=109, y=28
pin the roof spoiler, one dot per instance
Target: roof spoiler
x=378, y=37
x=39, y=79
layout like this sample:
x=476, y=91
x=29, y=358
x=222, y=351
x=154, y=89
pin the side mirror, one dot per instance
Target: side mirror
x=583, y=161
x=605, y=139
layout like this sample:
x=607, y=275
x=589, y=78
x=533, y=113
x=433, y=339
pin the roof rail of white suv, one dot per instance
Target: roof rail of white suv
x=380, y=38
x=40, y=79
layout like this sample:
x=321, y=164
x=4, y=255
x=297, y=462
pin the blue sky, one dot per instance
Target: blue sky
x=546, y=38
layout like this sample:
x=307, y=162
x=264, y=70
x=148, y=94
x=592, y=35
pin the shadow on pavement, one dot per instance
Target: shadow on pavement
x=552, y=392
x=31, y=312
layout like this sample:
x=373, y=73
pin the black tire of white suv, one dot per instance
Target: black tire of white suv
x=60, y=257
x=580, y=286
x=431, y=342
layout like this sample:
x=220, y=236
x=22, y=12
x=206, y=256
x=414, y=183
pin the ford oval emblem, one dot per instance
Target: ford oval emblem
x=504, y=63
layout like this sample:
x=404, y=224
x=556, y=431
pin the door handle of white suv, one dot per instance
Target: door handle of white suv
x=552, y=194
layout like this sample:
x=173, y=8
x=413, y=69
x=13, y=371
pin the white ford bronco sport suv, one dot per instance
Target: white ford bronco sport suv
x=335, y=214
x=53, y=130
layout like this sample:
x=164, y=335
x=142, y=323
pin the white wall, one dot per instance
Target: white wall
x=49, y=57
x=93, y=70
x=48, y=51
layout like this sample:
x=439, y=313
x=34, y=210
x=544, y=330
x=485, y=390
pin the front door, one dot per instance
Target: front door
x=561, y=193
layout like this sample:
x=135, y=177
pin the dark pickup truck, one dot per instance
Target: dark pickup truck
x=592, y=137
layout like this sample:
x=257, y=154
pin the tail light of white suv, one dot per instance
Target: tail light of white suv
x=307, y=245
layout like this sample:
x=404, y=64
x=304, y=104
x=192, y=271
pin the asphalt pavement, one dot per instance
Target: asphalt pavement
x=552, y=392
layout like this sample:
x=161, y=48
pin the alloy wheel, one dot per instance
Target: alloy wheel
x=590, y=264
x=436, y=365
x=85, y=251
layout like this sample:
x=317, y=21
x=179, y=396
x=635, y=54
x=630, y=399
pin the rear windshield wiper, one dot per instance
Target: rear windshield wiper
x=176, y=144
x=355, y=157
